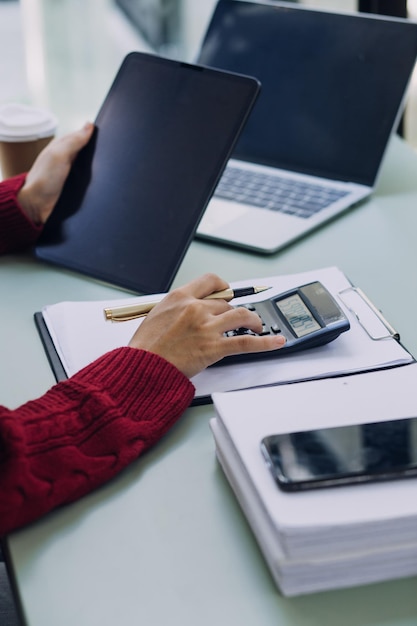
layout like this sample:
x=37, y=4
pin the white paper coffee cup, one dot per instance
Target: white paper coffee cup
x=24, y=132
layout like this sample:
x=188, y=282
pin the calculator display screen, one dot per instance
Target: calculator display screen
x=297, y=315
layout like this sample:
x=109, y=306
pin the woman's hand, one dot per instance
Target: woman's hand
x=46, y=178
x=188, y=331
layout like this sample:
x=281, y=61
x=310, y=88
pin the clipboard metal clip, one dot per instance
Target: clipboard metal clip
x=390, y=331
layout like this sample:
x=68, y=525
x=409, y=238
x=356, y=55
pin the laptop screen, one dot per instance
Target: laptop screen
x=332, y=84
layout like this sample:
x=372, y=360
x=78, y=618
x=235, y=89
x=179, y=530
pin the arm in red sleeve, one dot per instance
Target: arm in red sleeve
x=83, y=431
x=16, y=230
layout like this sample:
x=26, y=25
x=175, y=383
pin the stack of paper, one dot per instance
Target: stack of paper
x=322, y=538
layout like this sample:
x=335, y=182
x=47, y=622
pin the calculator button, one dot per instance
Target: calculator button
x=244, y=331
x=275, y=329
x=239, y=331
x=265, y=331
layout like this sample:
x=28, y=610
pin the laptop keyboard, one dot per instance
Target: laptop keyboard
x=275, y=192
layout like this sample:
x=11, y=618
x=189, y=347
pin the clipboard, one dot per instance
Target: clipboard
x=76, y=333
x=49, y=347
x=364, y=310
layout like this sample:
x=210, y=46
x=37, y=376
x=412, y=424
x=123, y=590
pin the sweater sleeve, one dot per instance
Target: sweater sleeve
x=83, y=431
x=16, y=229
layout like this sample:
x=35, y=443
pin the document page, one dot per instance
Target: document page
x=80, y=334
x=315, y=522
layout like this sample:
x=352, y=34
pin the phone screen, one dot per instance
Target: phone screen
x=343, y=455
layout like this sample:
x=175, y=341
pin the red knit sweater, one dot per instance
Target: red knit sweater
x=83, y=431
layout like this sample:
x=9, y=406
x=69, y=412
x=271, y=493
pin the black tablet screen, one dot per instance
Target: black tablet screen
x=136, y=193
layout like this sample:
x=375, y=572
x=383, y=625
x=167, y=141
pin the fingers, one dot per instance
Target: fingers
x=46, y=177
x=241, y=344
x=219, y=317
x=189, y=331
x=69, y=145
x=79, y=139
x=241, y=317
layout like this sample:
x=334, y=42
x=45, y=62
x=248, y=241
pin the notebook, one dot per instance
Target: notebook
x=136, y=193
x=333, y=88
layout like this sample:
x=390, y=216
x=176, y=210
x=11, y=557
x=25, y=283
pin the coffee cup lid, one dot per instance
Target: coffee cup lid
x=20, y=122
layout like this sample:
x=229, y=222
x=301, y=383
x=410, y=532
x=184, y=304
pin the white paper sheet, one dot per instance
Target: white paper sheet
x=322, y=571
x=81, y=334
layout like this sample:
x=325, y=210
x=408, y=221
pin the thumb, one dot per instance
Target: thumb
x=82, y=136
x=77, y=140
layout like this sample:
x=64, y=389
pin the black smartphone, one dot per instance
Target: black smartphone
x=343, y=455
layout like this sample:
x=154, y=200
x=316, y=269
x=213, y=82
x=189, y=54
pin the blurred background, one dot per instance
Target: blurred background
x=64, y=54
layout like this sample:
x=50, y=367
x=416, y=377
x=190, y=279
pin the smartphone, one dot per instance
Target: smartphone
x=343, y=455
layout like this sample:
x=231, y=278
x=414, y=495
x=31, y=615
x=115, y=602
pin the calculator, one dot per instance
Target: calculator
x=308, y=316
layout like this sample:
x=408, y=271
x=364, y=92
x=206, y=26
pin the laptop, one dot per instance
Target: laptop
x=333, y=88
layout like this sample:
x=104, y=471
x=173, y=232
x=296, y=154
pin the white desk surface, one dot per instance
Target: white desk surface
x=165, y=542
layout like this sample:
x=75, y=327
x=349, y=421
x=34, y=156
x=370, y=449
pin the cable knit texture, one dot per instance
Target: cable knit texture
x=16, y=230
x=83, y=431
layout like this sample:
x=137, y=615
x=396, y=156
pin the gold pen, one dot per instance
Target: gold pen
x=133, y=311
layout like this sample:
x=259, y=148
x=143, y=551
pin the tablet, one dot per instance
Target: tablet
x=136, y=193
